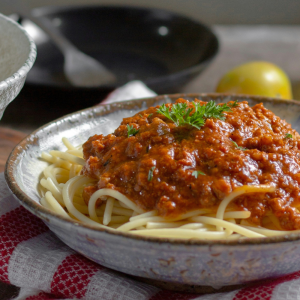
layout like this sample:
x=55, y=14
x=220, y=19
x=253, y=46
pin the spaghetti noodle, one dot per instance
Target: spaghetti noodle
x=71, y=187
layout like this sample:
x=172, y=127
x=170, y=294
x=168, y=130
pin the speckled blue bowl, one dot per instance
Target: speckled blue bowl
x=204, y=263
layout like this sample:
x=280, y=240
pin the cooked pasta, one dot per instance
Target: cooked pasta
x=189, y=170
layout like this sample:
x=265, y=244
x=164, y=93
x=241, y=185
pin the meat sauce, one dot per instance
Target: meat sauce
x=155, y=168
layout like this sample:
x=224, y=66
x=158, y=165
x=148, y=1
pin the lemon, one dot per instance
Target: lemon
x=259, y=78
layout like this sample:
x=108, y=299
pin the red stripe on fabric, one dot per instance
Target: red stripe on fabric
x=73, y=275
x=169, y=295
x=16, y=226
x=43, y=296
x=264, y=291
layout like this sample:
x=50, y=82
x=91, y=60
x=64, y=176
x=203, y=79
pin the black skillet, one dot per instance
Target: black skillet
x=163, y=49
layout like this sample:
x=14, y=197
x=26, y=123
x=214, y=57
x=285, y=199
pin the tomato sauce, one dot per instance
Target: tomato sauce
x=155, y=168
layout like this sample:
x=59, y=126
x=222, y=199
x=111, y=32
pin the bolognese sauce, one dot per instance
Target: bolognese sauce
x=171, y=168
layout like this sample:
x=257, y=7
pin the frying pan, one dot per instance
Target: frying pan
x=163, y=49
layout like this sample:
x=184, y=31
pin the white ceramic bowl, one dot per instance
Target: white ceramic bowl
x=17, y=55
x=205, y=263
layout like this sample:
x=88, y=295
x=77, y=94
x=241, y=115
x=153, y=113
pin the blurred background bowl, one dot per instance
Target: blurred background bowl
x=163, y=49
x=17, y=55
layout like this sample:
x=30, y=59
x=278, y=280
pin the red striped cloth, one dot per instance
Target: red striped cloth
x=31, y=257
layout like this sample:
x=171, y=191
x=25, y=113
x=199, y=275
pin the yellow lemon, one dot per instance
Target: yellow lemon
x=256, y=78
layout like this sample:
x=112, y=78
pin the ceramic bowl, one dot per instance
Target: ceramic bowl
x=204, y=263
x=17, y=55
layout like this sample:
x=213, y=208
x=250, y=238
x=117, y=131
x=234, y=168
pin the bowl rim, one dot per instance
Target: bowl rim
x=46, y=10
x=46, y=214
x=24, y=69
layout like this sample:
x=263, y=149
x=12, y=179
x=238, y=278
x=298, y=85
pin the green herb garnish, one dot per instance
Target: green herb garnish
x=140, y=115
x=234, y=104
x=288, y=136
x=150, y=174
x=131, y=130
x=196, y=173
x=236, y=145
x=149, y=115
x=181, y=114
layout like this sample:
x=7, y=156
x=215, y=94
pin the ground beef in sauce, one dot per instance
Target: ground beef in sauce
x=263, y=153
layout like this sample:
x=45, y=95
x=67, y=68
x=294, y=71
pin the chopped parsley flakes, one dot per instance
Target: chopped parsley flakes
x=131, y=130
x=196, y=173
x=237, y=146
x=288, y=136
x=150, y=174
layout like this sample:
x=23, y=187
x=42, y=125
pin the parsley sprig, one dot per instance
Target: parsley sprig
x=131, y=130
x=150, y=173
x=234, y=104
x=239, y=147
x=181, y=114
x=196, y=173
x=288, y=136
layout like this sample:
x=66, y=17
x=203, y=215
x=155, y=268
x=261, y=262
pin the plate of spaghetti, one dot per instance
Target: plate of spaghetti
x=196, y=189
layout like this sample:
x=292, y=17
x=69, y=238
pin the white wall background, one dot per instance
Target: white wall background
x=208, y=11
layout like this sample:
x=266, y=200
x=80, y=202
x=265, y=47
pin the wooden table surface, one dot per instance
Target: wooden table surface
x=9, y=138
